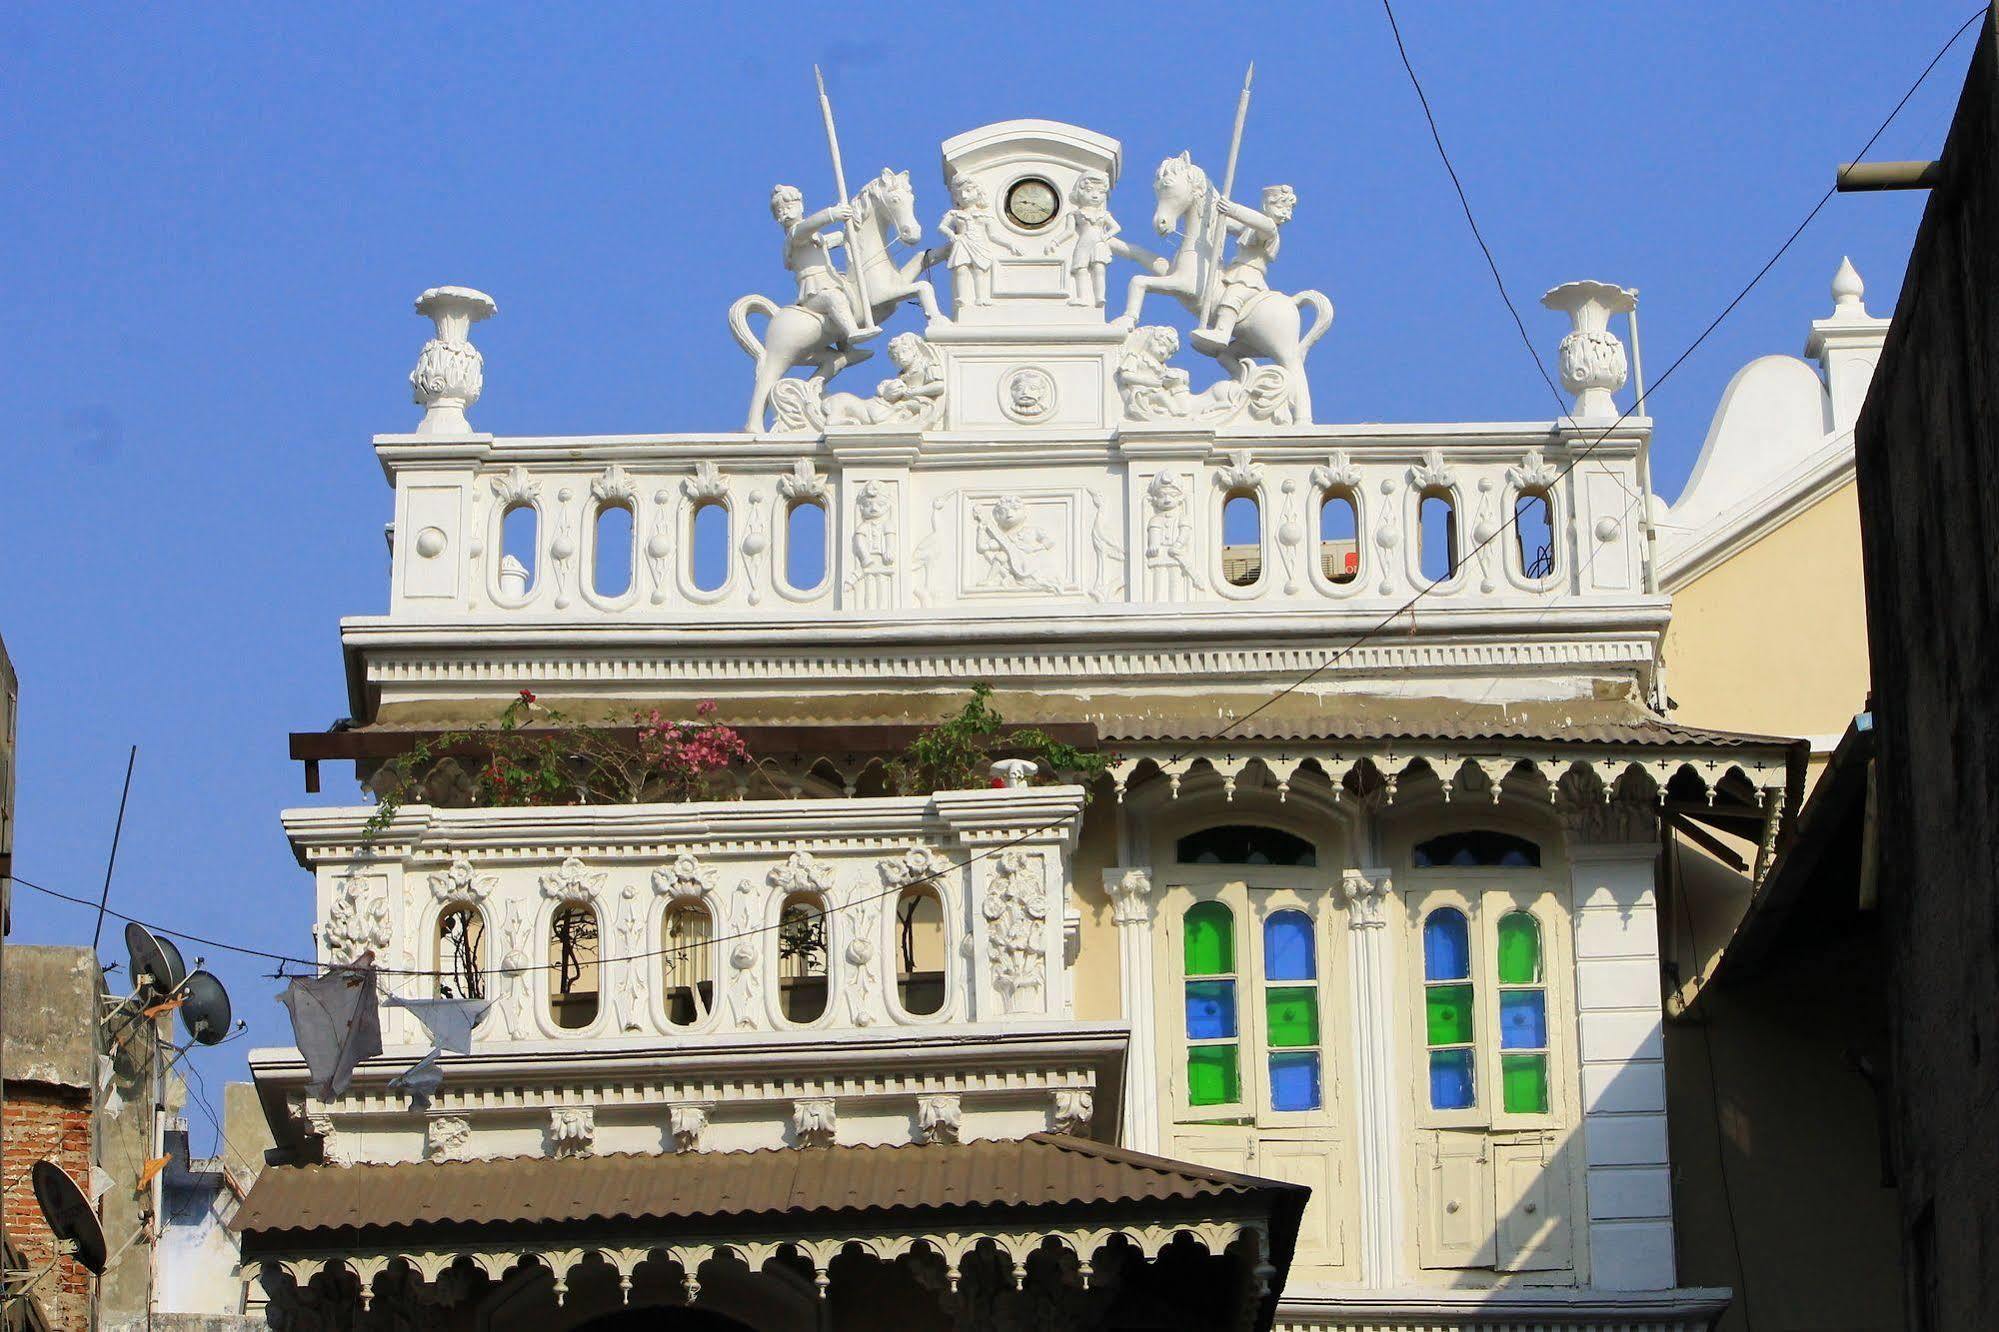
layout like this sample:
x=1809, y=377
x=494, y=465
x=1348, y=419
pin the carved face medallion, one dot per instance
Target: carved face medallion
x=1031, y=203
x=1028, y=394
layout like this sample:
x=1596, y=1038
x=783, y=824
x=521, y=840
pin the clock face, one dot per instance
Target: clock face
x=1031, y=202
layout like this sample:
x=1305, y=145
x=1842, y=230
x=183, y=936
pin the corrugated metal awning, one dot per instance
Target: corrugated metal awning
x=1040, y=1171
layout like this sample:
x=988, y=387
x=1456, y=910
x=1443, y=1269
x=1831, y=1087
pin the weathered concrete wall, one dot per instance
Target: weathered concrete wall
x=1926, y=445
x=1763, y=1084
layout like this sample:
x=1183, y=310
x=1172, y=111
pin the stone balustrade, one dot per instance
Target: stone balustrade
x=906, y=524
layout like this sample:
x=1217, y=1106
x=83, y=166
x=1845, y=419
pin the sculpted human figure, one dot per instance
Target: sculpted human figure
x=1152, y=389
x=918, y=385
x=1009, y=544
x=807, y=253
x=1248, y=274
x=1169, y=538
x=1091, y=227
x=873, y=578
x=975, y=234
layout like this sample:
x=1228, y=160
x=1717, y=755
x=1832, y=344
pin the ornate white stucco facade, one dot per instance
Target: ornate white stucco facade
x=1365, y=901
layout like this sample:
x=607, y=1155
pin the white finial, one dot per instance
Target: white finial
x=513, y=577
x=449, y=374
x=1847, y=289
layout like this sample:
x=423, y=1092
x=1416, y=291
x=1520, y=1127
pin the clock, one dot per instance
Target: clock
x=1031, y=203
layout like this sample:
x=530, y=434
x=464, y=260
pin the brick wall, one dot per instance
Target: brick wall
x=45, y=1121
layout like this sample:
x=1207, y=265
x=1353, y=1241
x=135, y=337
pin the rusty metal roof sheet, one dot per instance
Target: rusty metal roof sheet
x=1375, y=719
x=1043, y=1170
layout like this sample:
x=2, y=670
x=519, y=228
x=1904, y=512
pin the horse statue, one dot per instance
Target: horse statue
x=884, y=209
x=1270, y=323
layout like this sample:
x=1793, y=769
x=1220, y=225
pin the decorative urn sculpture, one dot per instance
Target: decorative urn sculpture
x=449, y=371
x=1591, y=359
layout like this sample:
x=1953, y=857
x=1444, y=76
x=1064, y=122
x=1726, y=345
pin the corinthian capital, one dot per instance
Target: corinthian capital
x=1130, y=892
x=1366, y=891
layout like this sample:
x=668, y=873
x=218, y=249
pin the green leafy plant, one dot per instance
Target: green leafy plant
x=957, y=754
x=561, y=761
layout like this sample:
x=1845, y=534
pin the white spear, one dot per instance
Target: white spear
x=1211, y=289
x=867, y=310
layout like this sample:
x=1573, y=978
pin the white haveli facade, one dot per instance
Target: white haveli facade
x=1334, y=1002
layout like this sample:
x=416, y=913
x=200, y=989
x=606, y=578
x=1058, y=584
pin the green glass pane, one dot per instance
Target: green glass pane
x=1212, y=1078
x=1524, y=1084
x=1519, y=949
x=1294, y=1015
x=1210, y=940
x=1448, y=1014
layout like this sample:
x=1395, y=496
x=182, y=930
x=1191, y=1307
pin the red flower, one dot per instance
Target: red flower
x=527, y=696
x=997, y=782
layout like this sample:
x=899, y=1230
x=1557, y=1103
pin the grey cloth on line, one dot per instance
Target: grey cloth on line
x=421, y=1080
x=335, y=1022
x=449, y=1021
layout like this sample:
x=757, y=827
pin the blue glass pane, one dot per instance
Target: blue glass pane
x=1450, y=1080
x=1446, y=948
x=1287, y=947
x=1294, y=1080
x=1523, y=1020
x=1210, y=1010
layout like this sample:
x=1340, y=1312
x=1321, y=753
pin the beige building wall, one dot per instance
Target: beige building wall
x=1774, y=638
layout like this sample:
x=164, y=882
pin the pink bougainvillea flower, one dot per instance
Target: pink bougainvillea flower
x=704, y=707
x=527, y=696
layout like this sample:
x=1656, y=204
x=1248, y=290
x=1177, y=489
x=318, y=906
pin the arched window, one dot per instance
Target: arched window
x=1477, y=848
x=920, y=952
x=1534, y=533
x=1245, y=844
x=461, y=952
x=1214, y=1071
x=1437, y=536
x=611, y=551
x=805, y=545
x=1242, y=539
x=687, y=937
x=519, y=543
x=1523, y=1016
x=572, y=960
x=803, y=940
x=1291, y=1011
x=1339, y=536
x=709, y=550
x=1447, y=1009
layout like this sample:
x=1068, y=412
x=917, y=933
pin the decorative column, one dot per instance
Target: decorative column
x=1591, y=359
x=1130, y=891
x=1613, y=849
x=449, y=372
x=1377, y=1122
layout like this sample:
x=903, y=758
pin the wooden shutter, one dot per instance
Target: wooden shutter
x=1454, y=1189
x=1532, y=1192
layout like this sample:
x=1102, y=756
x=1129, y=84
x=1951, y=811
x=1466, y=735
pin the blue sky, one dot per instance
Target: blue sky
x=216, y=219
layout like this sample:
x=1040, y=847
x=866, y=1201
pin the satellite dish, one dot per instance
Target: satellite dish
x=69, y=1216
x=155, y=961
x=204, y=1008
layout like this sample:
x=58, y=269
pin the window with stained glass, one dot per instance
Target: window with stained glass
x=1448, y=1010
x=1291, y=1012
x=1523, y=1016
x=1214, y=1065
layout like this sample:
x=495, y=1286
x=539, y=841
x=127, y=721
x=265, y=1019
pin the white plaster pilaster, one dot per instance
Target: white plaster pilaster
x=1377, y=1131
x=1130, y=891
x=1618, y=1015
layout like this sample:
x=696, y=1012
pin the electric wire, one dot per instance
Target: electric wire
x=1372, y=630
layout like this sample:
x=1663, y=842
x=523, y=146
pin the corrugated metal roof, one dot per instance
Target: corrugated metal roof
x=1376, y=719
x=1043, y=1170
